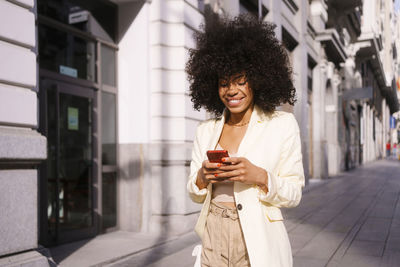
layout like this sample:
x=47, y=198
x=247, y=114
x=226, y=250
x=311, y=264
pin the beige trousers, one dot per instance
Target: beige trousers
x=223, y=241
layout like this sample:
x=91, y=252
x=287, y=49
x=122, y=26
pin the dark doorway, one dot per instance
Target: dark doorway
x=67, y=198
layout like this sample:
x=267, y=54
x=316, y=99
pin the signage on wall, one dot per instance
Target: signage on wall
x=69, y=71
x=73, y=119
x=392, y=122
x=77, y=17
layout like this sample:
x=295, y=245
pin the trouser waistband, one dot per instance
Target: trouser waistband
x=223, y=211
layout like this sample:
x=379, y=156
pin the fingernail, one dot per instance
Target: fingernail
x=223, y=159
x=216, y=175
x=219, y=165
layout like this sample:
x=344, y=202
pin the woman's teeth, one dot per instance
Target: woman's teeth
x=234, y=102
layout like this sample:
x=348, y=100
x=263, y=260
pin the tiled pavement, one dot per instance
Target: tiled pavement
x=349, y=220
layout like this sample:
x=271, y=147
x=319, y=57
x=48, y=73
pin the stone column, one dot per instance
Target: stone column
x=320, y=161
x=156, y=121
x=22, y=148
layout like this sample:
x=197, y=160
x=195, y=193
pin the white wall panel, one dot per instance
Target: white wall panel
x=173, y=129
x=192, y=16
x=169, y=81
x=190, y=128
x=17, y=64
x=168, y=105
x=175, y=105
x=17, y=105
x=193, y=2
x=169, y=34
x=168, y=129
x=167, y=11
x=189, y=40
x=169, y=189
x=191, y=113
x=133, y=81
x=170, y=58
x=17, y=23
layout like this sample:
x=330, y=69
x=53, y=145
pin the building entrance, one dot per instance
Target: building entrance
x=67, y=177
x=78, y=70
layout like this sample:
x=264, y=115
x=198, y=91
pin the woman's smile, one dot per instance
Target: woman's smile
x=236, y=94
x=234, y=102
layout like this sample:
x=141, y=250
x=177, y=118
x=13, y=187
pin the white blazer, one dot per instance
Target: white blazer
x=272, y=141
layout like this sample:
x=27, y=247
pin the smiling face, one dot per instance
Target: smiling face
x=235, y=93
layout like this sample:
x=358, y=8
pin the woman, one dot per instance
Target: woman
x=240, y=73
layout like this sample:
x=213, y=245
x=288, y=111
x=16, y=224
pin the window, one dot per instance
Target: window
x=251, y=6
x=109, y=138
x=66, y=53
x=108, y=129
x=78, y=13
x=108, y=65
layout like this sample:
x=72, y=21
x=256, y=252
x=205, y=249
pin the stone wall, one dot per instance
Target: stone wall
x=21, y=146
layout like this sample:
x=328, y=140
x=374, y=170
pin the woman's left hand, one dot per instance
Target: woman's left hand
x=240, y=169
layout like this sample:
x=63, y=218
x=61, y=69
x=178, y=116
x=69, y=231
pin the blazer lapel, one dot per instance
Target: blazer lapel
x=257, y=116
x=219, y=125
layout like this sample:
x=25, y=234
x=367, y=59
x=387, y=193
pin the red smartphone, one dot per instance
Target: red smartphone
x=215, y=156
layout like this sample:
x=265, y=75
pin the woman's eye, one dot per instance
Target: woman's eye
x=242, y=83
x=223, y=84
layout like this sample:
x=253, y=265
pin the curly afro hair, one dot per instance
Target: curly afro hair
x=240, y=45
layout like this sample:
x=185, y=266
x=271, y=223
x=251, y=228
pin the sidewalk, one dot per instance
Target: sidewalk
x=349, y=220
x=106, y=249
x=353, y=220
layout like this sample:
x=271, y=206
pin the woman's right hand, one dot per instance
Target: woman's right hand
x=208, y=173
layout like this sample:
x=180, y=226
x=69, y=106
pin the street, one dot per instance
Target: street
x=349, y=220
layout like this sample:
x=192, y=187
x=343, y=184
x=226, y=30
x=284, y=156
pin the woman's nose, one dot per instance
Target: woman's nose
x=232, y=90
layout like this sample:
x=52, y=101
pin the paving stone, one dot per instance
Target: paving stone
x=393, y=243
x=390, y=259
x=372, y=191
x=322, y=246
x=355, y=260
x=321, y=219
x=339, y=226
x=382, y=211
x=308, y=262
x=302, y=210
x=396, y=214
x=362, y=200
x=298, y=241
x=171, y=260
x=290, y=224
x=345, y=220
x=374, y=229
x=339, y=203
x=307, y=229
x=394, y=231
x=369, y=248
x=395, y=223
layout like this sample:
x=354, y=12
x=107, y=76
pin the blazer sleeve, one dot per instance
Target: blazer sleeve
x=285, y=188
x=195, y=193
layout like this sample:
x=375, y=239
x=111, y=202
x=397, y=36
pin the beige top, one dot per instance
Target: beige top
x=223, y=192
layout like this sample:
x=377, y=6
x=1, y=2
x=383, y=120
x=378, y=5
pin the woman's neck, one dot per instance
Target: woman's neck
x=239, y=118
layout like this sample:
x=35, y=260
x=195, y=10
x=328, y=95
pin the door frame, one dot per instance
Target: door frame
x=75, y=89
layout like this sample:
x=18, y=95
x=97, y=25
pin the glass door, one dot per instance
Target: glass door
x=68, y=172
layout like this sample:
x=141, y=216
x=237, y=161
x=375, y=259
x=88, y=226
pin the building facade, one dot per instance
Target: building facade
x=356, y=80
x=22, y=147
x=96, y=122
